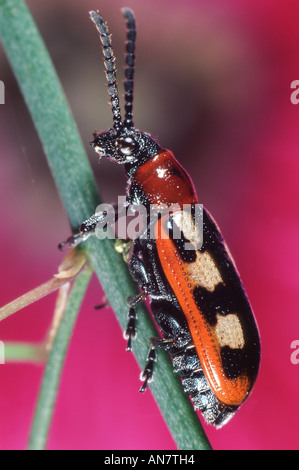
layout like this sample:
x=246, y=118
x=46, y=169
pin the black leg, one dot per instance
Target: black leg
x=86, y=229
x=147, y=374
x=131, y=328
x=130, y=332
x=139, y=273
x=89, y=226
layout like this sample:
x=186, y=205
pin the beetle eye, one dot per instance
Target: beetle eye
x=126, y=145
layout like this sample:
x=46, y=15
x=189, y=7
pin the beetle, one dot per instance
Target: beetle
x=196, y=295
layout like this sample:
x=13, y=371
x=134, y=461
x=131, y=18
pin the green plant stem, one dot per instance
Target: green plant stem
x=73, y=176
x=49, y=110
x=23, y=352
x=51, y=377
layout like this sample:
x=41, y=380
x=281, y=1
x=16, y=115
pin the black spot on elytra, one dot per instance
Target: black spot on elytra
x=234, y=361
x=211, y=303
x=188, y=256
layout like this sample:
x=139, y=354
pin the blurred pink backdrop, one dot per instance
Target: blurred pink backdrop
x=213, y=83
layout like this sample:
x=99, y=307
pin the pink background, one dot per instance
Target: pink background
x=213, y=82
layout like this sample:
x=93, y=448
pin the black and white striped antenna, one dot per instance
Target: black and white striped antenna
x=130, y=67
x=109, y=61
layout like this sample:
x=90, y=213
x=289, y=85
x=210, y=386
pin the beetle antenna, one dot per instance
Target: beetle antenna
x=130, y=67
x=109, y=61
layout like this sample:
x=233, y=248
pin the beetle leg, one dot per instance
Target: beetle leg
x=139, y=271
x=86, y=229
x=131, y=328
x=130, y=332
x=140, y=275
x=147, y=374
